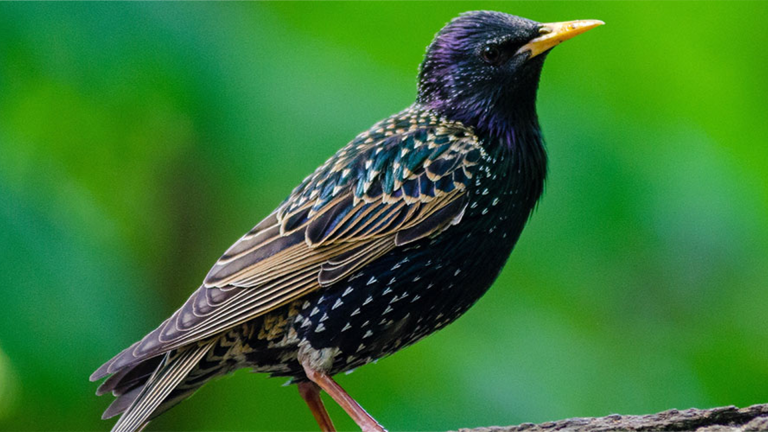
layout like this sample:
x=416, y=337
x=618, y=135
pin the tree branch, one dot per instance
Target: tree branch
x=722, y=419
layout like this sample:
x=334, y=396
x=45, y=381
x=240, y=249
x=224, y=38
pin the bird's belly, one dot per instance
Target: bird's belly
x=400, y=298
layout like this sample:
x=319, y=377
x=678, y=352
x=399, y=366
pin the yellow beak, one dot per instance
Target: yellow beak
x=554, y=33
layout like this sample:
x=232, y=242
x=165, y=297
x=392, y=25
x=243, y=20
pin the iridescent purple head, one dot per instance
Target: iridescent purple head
x=474, y=71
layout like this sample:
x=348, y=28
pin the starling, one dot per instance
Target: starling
x=390, y=240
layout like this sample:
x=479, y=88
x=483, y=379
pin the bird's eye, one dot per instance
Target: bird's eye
x=491, y=54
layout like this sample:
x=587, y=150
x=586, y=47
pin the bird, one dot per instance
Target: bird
x=391, y=239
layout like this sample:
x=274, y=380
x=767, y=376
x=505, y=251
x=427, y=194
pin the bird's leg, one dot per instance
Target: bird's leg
x=310, y=392
x=358, y=414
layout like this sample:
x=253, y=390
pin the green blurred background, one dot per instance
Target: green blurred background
x=138, y=141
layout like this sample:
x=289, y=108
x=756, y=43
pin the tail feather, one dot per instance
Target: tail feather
x=119, y=405
x=172, y=370
x=129, y=378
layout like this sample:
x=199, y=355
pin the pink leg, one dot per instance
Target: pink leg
x=358, y=414
x=310, y=392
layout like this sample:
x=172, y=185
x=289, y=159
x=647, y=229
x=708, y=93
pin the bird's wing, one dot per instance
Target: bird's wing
x=400, y=188
x=387, y=188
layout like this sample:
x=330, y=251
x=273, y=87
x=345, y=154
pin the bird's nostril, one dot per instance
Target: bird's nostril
x=544, y=30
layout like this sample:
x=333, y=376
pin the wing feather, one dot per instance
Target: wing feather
x=168, y=375
x=382, y=191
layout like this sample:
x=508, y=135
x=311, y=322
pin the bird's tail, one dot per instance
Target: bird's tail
x=141, y=403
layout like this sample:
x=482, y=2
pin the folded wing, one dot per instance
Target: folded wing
x=403, y=181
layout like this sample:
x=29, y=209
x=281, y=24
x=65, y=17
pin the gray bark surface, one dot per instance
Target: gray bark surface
x=721, y=419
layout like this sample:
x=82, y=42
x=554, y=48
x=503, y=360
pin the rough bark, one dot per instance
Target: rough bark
x=722, y=419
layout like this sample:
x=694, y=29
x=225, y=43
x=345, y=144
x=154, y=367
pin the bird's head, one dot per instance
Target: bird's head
x=483, y=67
